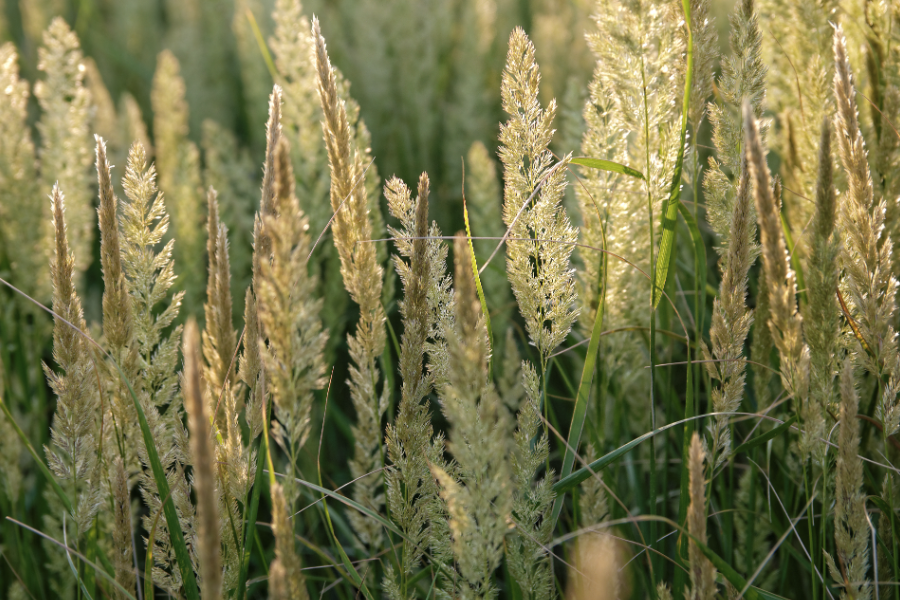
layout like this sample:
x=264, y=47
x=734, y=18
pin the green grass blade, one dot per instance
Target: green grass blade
x=72, y=564
x=606, y=165
x=37, y=459
x=584, y=389
x=263, y=48
x=481, y=298
x=667, y=241
x=573, y=479
x=765, y=437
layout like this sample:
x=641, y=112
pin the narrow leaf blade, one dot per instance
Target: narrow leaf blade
x=606, y=165
x=667, y=241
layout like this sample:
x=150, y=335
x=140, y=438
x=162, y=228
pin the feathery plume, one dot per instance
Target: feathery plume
x=866, y=253
x=278, y=581
x=73, y=457
x=411, y=490
x=546, y=292
x=703, y=574
x=117, y=326
x=851, y=533
x=219, y=337
x=123, y=557
x=204, y=463
x=250, y=365
x=785, y=322
x=731, y=319
x=293, y=48
x=363, y=277
x=65, y=151
x=821, y=314
x=149, y=276
x=289, y=315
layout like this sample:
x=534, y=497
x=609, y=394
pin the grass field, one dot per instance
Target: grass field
x=449, y=299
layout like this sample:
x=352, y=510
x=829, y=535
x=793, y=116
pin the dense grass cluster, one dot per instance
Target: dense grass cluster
x=358, y=405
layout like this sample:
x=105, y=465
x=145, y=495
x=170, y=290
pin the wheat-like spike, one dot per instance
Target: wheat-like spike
x=363, y=277
x=219, y=337
x=731, y=318
x=24, y=214
x=785, y=322
x=821, y=318
x=218, y=343
x=546, y=294
x=123, y=557
x=65, y=151
x=285, y=552
x=150, y=275
x=261, y=246
x=411, y=490
x=526, y=548
x=117, y=325
x=703, y=574
x=204, y=463
x=72, y=432
x=866, y=254
x=851, y=533
x=289, y=316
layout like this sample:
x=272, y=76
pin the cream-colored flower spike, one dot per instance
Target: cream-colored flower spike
x=541, y=238
x=785, y=321
x=363, y=279
x=869, y=281
x=851, y=529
